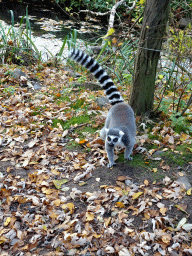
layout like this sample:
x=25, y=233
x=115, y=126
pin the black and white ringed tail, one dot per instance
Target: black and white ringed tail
x=105, y=81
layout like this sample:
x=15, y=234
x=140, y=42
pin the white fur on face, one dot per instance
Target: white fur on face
x=118, y=143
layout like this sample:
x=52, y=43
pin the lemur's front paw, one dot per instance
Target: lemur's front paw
x=110, y=165
x=129, y=158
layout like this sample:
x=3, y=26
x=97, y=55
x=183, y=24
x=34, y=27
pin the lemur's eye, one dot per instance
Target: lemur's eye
x=108, y=138
x=115, y=140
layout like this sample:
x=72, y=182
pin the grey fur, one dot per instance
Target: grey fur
x=120, y=127
x=119, y=124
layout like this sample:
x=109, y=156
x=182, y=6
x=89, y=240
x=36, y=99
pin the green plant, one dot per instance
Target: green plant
x=78, y=104
x=180, y=123
x=174, y=95
x=16, y=43
x=82, y=79
x=180, y=42
x=127, y=78
x=74, y=120
x=9, y=90
x=72, y=39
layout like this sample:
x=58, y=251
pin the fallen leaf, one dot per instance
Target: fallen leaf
x=8, y=169
x=181, y=223
x=166, y=238
x=120, y=205
x=97, y=141
x=32, y=142
x=171, y=140
x=189, y=192
x=47, y=191
x=55, y=172
x=26, y=162
x=187, y=227
x=59, y=183
x=136, y=195
x=121, y=178
x=69, y=206
x=57, y=202
x=89, y=216
x=180, y=207
x=65, y=133
x=107, y=221
x=44, y=227
x=154, y=170
x=8, y=220
x=97, y=236
x=147, y=215
x=163, y=210
x=77, y=166
x=77, y=140
x=184, y=137
x=109, y=249
x=82, y=183
x=81, y=142
x=20, y=234
x=2, y=240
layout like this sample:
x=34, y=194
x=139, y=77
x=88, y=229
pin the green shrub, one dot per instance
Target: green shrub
x=16, y=44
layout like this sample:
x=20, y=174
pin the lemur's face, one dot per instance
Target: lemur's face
x=114, y=137
x=113, y=140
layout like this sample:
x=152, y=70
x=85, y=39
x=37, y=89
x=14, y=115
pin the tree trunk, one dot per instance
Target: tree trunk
x=143, y=86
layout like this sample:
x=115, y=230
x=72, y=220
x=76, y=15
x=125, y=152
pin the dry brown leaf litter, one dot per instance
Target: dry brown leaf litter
x=47, y=212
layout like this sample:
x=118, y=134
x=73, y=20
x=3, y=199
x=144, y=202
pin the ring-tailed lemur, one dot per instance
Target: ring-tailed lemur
x=120, y=128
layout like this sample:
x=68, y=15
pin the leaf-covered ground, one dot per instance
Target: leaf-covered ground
x=57, y=196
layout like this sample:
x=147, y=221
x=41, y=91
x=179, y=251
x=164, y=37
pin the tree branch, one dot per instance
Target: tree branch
x=113, y=11
x=95, y=13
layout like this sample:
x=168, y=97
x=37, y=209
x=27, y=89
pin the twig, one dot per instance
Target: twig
x=78, y=126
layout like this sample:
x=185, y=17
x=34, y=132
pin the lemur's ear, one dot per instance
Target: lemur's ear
x=106, y=130
x=121, y=133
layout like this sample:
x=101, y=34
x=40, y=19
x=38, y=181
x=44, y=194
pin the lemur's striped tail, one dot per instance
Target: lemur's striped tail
x=105, y=81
